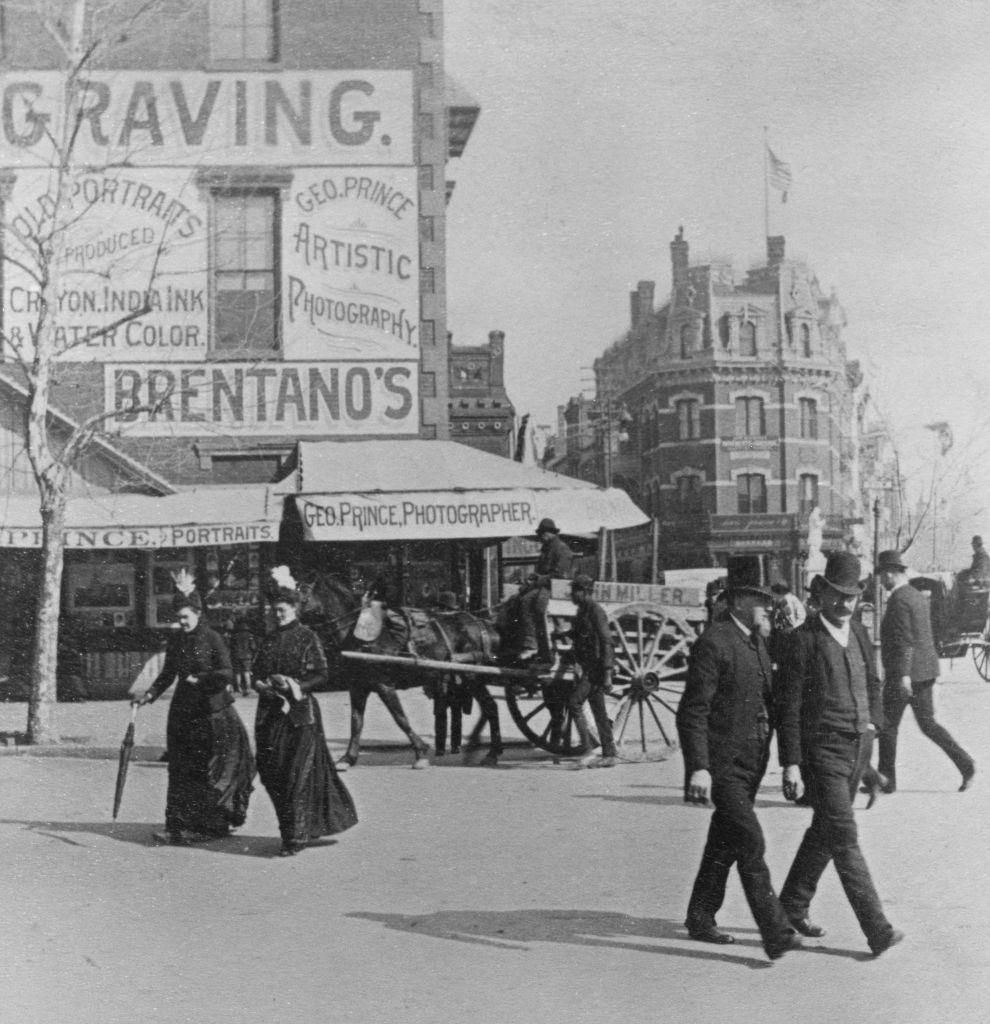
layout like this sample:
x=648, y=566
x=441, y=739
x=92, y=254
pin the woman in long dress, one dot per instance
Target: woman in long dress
x=210, y=767
x=293, y=762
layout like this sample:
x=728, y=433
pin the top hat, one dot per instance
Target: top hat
x=546, y=526
x=977, y=540
x=583, y=582
x=744, y=578
x=890, y=561
x=842, y=572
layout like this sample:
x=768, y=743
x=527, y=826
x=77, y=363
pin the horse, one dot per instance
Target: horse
x=331, y=609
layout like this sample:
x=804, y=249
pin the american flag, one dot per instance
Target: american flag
x=778, y=174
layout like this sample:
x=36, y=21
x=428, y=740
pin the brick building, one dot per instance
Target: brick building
x=267, y=183
x=481, y=413
x=743, y=402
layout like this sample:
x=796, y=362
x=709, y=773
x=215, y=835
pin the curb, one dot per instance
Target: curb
x=153, y=753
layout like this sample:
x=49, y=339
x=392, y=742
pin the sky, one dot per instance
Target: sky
x=606, y=125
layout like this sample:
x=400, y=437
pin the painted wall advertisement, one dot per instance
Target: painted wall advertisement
x=139, y=239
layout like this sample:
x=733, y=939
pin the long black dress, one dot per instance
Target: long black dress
x=210, y=767
x=293, y=762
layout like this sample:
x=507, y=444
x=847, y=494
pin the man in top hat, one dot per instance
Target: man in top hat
x=910, y=668
x=554, y=562
x=724, y=726
x=828, y=708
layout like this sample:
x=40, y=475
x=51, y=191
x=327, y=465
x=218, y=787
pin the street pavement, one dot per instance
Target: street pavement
x=531, y=893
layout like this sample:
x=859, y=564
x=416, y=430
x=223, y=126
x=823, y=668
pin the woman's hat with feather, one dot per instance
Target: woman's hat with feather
x=282, y=586
x=185, y=595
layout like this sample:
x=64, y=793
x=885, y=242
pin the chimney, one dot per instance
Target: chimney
x=496, y=345
x=775, y=250
x=634, y=308
x=644, y=291
x=679, y=260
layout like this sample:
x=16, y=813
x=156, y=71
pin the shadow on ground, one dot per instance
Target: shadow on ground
x=516, y=929
x=140, y=834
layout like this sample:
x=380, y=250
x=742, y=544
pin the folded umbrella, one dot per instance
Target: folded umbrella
x=126, y=748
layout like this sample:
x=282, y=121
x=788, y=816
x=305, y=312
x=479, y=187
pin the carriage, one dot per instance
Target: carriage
x=960, y=611
x=652, y=629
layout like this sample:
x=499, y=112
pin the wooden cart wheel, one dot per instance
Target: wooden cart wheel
x=981, y=653
x=651, y=648
x=533, y=709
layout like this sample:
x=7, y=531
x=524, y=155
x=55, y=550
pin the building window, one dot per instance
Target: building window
x=809, y=417
x=689, y=493
x=688, y=419
x=245, y=243
x=806, y=341
x=747, y=339
x=244, y=30
x=751, y=492
x=724, y=332
x=685, y=341
x=807, y=494
x=750, y=420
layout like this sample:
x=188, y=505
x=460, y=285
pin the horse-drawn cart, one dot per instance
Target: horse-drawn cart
x=652, y=630
x=960, y=611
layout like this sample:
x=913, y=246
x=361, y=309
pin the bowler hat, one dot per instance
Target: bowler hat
x=890, y=561
x=744, y=577
x=447, y=602
x=546, y=526
x=977, y=540
x=583, y=582
x=842, y=572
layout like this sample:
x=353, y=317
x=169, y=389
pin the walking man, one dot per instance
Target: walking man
x=829, y=705
x=595, y=657
x=910, y=667
x=723, y=722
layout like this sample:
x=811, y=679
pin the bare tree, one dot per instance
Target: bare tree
x=83, y=31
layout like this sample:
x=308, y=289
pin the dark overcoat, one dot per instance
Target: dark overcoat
x=727, y=695
x=907, y=646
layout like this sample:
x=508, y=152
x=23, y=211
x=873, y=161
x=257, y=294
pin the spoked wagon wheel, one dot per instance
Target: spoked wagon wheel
x=981, y=653
x=651, y=648
x=534, y=708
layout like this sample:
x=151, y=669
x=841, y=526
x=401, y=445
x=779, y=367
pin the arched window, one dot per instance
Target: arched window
x=688, y=419
x=686, y=341
x=750, y=418
x=689, y=493
x=747, y=338
x=723, y=331
x=751, y=492
x=807, y=494
x=806, y=341
x=809, y=418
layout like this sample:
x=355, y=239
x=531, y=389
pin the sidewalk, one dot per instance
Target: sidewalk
x=94, y=729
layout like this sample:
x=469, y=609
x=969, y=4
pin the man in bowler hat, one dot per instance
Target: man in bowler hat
x=828, y=708
x=724, y=726
x=910, y=668
x=595, y=656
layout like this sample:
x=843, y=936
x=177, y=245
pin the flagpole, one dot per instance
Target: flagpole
x=766, y=186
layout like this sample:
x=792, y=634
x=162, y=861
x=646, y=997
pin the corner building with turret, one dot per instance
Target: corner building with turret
x=743, y=402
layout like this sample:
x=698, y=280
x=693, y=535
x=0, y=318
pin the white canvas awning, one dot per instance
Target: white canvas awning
x=199, y=517
x=434, y=490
